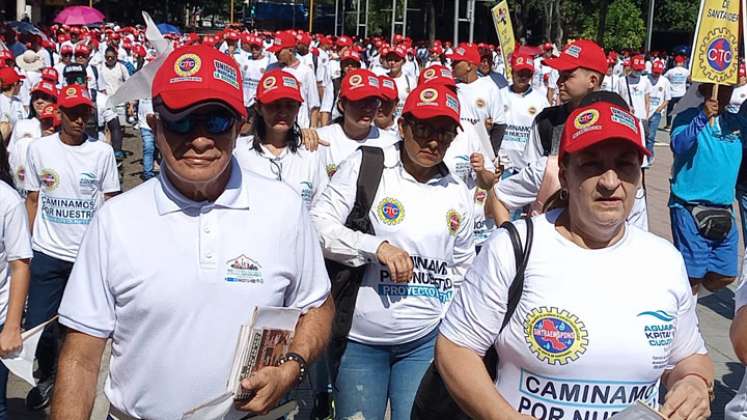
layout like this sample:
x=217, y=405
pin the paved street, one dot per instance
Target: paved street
x=715, y=311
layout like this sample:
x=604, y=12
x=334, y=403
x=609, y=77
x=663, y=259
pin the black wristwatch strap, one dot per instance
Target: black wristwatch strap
x=295, y=357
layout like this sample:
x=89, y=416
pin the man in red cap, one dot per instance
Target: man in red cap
x=479, y=98
x=679, y=77
x=635, y=88
x=204, y=201
x=284, y=48
x=545, y=77
x=11, y=107
x=406, y=83
x=66, y=57
x=661, y=94
x=386, y=119
x=68, y=176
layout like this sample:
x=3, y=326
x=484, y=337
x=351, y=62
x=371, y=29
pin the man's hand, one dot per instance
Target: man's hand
x=10, y=341
x=311, y=139
x=397, y=261
x=477, y=162
x=688, y=399
x=269, y=385
x=710, y=107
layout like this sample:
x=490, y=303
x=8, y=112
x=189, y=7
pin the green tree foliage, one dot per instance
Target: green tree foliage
x=676, y=15
x=625, y=26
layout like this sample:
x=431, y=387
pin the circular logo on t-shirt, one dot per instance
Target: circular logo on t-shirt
x=187, y=65
x=21, y=174
x=49, y=178
x=453, y=221
x=391, y=211
x=480, y=103
x=331, y=169
x=555, y=336
x=532, y=110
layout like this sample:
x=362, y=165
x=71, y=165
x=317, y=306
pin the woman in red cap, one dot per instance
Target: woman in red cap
x=413, y=257
x=42, y=95
x=589, y=333
x=386, y=119
x=274, y=148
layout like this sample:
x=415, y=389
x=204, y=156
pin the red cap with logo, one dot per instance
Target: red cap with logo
x=278, y=84
x=437, y=75
x=360, y=84
x=658, y=67
x=50, y=112
x=45, y=87
x=6, y=55
x=389, y=90
x=344, y=41
x=431, y=101
x=282, y=41
x=599, y=122
x=199, y=73
x=304, y=38
x=50, y=74
x=232, y=36
x=350, y=55
x=9, y=76
x=465, y=52
x=66, y=49
x=400, y=51
x=579, y=54
x=82, y=49
x=74, y=95
x=679, y=59
x=522, y=62
x=638, y=63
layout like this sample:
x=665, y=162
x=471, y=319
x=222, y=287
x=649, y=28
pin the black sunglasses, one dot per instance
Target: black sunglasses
x=216, y=122
x=423, y=131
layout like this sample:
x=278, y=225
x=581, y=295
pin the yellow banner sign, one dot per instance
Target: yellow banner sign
x=715, y=56
x=505, y=31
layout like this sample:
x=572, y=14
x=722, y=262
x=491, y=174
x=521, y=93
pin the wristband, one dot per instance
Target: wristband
x=295, y=357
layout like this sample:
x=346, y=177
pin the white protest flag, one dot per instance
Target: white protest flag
x=22, y=363
x=138, y=86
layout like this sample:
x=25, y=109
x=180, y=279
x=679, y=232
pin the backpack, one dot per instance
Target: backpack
x=433, y=400
x=346, y=280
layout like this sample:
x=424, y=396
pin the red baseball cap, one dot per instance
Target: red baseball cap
x=389, y=90
x=742, y=70
x=195, y=74
x=66, y=49
x=522, y=62
x=350, y=55
x=278, y=84
x=6, y=55
x=400, y=51
x=250, y=39
x=638, y=63
x=658, y=67
x=580, y=54
x=50, y=74
x=50, y=111
x=360, y=84
x=431, y=101
x=597, y=123
x=74, y=95
x=465, y=52
x=282, y=41
x=344, y=41
x=9, y=76
x=304, y=38
x=547, y=46
x=82, y=49
x=437, y=75
x=46, y=87
x=231, y=36
x=679, y=59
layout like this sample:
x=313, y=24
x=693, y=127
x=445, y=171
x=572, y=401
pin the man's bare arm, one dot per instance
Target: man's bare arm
x=313, y=331
x=32, y=200
x=77, y=376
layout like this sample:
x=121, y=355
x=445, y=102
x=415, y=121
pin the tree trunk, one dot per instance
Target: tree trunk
x=548, y=6
x=559, y=24
x=430, y=11
x=603, y=5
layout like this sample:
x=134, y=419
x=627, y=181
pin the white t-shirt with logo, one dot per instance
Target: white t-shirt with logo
x=405, y=85
x=678, y=80
x=431, y=221
x=521, y=109
x=301, y=169
x=738, y=96
x=610, y=83
x=341, y=146
x=660, y=93
x=637, y=92
x=17, y=160
x=173, y=304
x=15, y=241
x=71, y=181
x=29, y=127
x=593, y=332
x=481, y=100
x=251, y=71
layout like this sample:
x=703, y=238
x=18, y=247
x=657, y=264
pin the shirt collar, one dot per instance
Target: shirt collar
x=235, y=196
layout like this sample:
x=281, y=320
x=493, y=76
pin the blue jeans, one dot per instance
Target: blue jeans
x=149, y=151
x=653, y=125
x=3, y=387
x=369, y=376
x=48, y=280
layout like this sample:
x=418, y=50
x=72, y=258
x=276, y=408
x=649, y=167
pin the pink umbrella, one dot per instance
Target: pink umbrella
x=79, y=15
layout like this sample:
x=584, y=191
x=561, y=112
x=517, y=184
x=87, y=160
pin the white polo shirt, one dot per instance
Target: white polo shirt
x=71, y=181
x=481, y=100
x=174, y=303
x=341, y=146
x=592, y=332
x=15, y=241
x=431, y=221
x=301, y=170
x=521, y=108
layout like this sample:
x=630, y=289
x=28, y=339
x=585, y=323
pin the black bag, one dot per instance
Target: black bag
x=714, y=223
x=346, y=280
x=433, y=400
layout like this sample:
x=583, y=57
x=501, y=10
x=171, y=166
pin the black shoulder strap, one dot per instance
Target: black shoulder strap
x=521, y=253
x=369, y=177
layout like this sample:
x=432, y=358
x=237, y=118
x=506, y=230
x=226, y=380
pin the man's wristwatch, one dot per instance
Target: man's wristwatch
x=295, y=357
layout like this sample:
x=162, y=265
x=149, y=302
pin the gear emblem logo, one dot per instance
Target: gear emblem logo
x=555, y=336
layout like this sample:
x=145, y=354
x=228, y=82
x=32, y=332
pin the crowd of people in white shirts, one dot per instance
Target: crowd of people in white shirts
x=307, y=104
